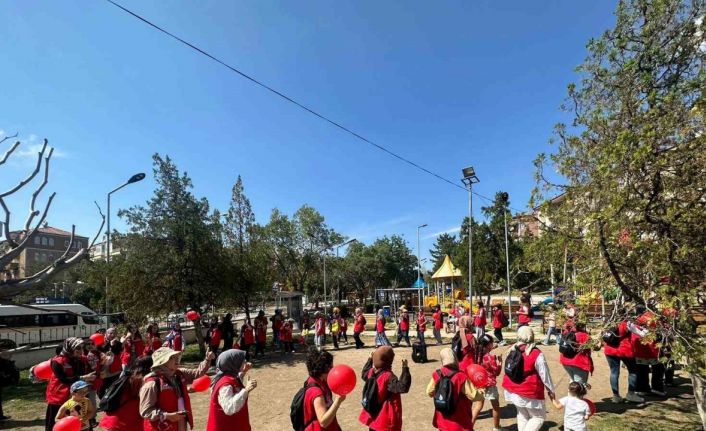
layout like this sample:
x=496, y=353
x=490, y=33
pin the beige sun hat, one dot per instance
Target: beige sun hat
x=162, y=355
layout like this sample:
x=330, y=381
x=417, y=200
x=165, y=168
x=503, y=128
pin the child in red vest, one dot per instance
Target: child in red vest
x=438, y=324
x=463, y=392
x=379, y=367
x=319, y=331
x=421, y=326
x=260, y=333
x=480, y=320
x=319, y=406
x=247, y=338
x=493, y=366
x=380, y=335
x=286, y=335
x=403, y=328
x=228, y=407
x=358, y=328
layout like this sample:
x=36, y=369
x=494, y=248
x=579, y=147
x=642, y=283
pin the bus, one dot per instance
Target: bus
x=47, y=323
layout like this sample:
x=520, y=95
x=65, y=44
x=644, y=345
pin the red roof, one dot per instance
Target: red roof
x=53, y=230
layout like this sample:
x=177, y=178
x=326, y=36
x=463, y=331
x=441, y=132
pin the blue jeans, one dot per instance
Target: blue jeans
x=614, y=364
x=552, y=331
x=576, y=374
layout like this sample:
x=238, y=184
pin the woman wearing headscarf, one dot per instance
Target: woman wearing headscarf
x=379, y=367
x=467, y=342
x=68, y=367
x=167, y=407
x=127, y=416
x=380, y=336
x=463, y=390
x=528, y=395
x=228, y=408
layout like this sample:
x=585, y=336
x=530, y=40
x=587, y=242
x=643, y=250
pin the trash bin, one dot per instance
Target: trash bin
x=386, y=311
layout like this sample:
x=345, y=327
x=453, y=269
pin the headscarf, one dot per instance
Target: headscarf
x=381, y=314
x=383, y=357
x=229, y=363
x=110, y=332
x=70, y=345
x=448, y=359
x=525, y=336
x=466, y=322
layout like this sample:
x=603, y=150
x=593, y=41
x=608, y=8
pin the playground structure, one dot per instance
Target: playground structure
x=447, y=288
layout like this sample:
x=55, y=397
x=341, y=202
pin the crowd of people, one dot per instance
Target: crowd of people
x=139, y=384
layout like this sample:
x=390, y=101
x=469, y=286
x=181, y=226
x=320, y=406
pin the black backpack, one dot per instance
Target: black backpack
x=504, y=320
x=457, y=347
x=444, y=393
x=296, y=409
x=611, y=338
x=530, y=312
x=569, y=345
x=112, y=398
x=515, y=365
x=370, y=401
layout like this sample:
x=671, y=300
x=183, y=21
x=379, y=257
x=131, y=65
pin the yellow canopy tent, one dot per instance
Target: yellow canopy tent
x=447, y=272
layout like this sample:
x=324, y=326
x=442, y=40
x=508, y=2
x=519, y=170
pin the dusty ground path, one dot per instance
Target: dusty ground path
x=280, y=377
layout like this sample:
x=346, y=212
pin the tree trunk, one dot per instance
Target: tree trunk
x=198, y=331
x=699, y=383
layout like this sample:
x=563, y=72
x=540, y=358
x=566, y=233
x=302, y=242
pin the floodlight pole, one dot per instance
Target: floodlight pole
x=470, y=178
x=419, y=267
x=507, y=263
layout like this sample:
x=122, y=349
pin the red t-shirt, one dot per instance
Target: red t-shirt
x=438, y=320
x=524, y=318
x=309, y=410
x=359, y=324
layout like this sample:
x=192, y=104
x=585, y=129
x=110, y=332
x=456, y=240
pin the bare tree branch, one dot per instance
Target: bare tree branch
x=31, y=176
x=15, y=251
x=8, y=152
x=32, y=211
x=8, y=137
x=6, y=224
x=100, y=229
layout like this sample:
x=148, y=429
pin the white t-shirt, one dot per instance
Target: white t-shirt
x=575, y=410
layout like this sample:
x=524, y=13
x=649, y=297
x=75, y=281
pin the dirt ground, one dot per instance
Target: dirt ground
x=280, y=377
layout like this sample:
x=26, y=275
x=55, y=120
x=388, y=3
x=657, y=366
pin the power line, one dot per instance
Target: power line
x=285, y=97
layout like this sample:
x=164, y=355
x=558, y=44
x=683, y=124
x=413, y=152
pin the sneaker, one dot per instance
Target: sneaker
x=617, y=399
x=634, y=398
x=658, y=393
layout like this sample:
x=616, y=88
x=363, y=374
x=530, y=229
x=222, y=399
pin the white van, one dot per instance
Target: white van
x=53, y=323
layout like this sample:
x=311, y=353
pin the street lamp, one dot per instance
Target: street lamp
x=325, y=252
x=505, y=198
x=419, y=265
x=470, y=178
x=133, y=179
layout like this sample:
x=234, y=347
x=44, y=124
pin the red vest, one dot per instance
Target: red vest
x=498, y=319
x=532, y=386
x=58, y=393
x=168, y=402
x=359, y=324
x=404, y=323
x=460, y=419
x=177, y=343
x=309, y=411
x=422, y=322
x=217, y=419
x=438, y=320
x=390, y=416
x=624, y=349
x=524, y=318
x=248, y=336
x=469, y=353
x=286, y=334
x=582, y=359
x=380, y=325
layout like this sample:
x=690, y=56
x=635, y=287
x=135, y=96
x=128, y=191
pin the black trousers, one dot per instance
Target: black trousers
x=49, y=420
x=498, y=332
x=403, y=335
x=358, y=342
x=1, y=413
x=260, y=349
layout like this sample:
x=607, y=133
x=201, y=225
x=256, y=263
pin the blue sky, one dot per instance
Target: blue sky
x=446, y=84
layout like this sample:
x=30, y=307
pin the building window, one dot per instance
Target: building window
x=78, y=244
x=36, y=240
x=44, y=240
x=51, y=242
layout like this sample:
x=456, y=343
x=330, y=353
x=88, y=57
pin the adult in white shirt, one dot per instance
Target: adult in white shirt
x=528, y=394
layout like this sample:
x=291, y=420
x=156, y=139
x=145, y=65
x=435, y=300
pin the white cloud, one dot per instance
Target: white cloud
x=449, y=230
x=30, y=151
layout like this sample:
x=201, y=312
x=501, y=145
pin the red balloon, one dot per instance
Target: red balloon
x=341, y=380
x=201, y=384
x=591, y=406
x=98, y=339
x=192, y=315
x=43, y=371
x=69, y=423
x=477, y=375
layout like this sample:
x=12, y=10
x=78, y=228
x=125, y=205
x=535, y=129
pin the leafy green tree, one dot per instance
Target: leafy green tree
x=446, y=244
x=172, y=258
x=632, y=163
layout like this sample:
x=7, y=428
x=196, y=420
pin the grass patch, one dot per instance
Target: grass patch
x=26, y=399
x=675, y=414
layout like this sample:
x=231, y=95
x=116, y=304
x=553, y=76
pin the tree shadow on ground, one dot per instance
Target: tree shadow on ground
x=21, y=423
